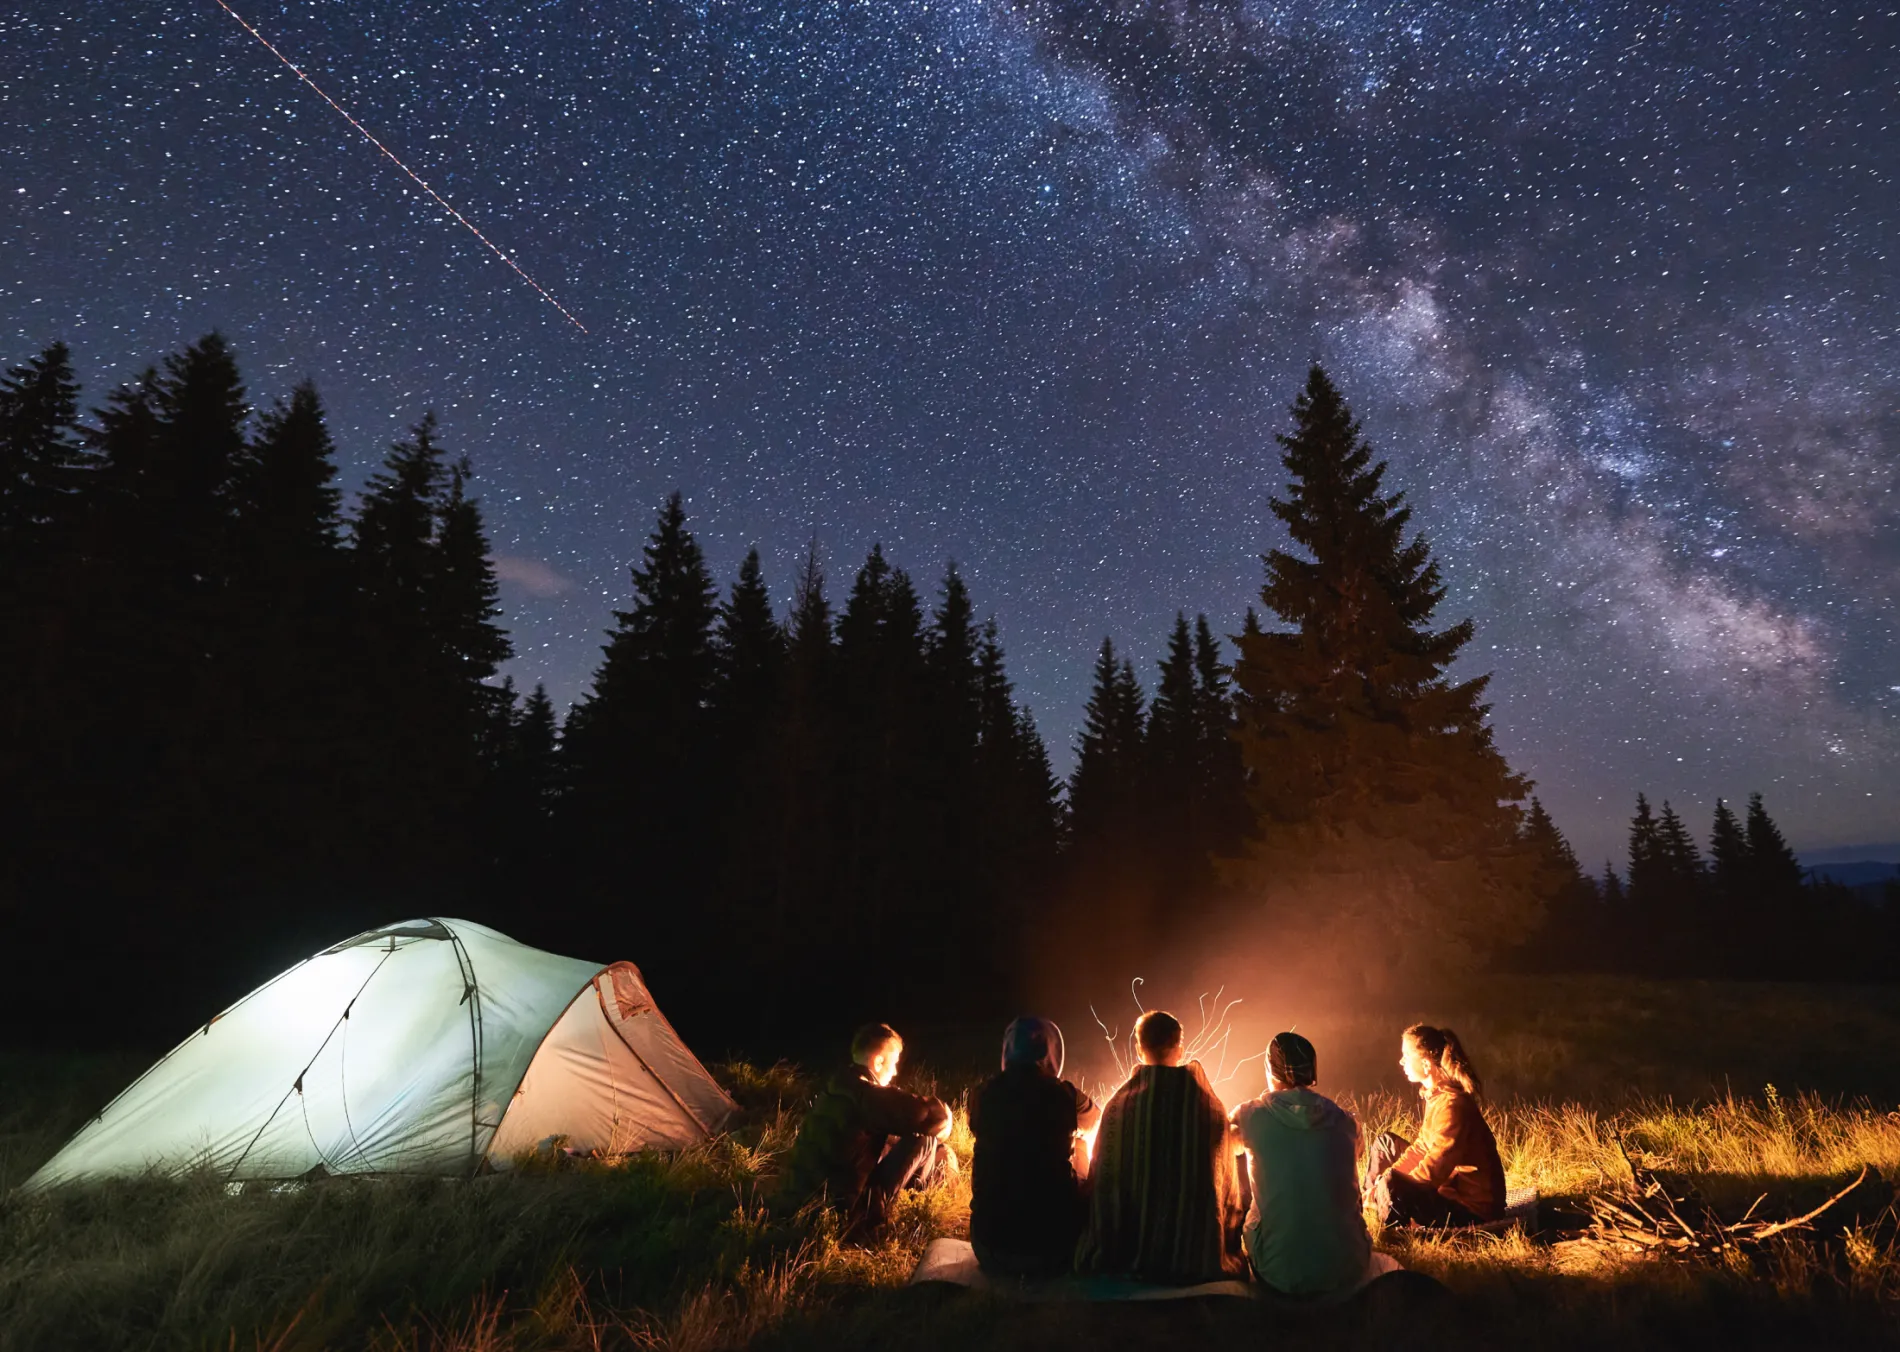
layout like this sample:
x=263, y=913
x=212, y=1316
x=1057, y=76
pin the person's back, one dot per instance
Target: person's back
x=834, y=1153
x=1025, y=1200
x=862, y=1141
x=1164, y=1201
x=1305, y=1233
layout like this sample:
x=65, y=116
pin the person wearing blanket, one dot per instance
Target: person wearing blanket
x=1164, y=1201
x=1305, y=1233
x=1451, y=1175
x=1026, y=1203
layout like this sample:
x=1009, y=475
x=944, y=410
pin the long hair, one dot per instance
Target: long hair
x=1443, y=1049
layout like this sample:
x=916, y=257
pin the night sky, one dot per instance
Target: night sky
x=1030, y=285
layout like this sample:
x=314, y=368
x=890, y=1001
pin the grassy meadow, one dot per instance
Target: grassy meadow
x=691, y=1251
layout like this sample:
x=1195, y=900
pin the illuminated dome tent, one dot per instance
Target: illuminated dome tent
x=426, y=1047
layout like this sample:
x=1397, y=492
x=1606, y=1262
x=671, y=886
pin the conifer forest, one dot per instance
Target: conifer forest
x=251, y=709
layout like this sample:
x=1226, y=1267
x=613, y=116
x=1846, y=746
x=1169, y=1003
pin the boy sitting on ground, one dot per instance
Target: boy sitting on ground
x=1305, y=1233
x=1164, y=1201
x=863, y=1142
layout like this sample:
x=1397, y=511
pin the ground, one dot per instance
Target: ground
x=1736, y=1090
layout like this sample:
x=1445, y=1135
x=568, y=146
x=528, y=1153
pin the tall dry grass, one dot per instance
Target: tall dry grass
x=694, y=1251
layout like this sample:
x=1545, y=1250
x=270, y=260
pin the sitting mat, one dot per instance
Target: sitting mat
x=954, y=1261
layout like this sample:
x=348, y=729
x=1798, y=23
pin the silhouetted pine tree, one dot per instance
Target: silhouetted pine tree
x=1105, y=789
x=523, y=793
x=1573, y=917
x=949, y=828
x=639, y=749
x=1728, y=860
x=1778, y=873
x=747, y=699
x=1611, y=888
x=1648, y=874
x=805, y=770
x=429, y=644
x=1221, y=782
x=41, y=473
x=1726, y=894
x=1108, y=870
x=41, y=453
x=1386, y=816
x=885, y=888
x=1017, y=794
x=1677, y=853
x=1174, y=822
x=298, y=771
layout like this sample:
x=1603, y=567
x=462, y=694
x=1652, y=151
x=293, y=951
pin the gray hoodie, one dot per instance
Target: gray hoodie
x=1305, y=1233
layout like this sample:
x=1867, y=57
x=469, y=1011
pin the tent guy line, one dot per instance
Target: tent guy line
x=440, y=200
x=296, y=1086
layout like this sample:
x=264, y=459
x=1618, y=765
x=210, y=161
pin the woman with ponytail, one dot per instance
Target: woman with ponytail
x=1450, y=1175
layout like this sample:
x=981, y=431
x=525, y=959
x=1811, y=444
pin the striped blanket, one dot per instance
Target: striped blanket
x=1164, y=1201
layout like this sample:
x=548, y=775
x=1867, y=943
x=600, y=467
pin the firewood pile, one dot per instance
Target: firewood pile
x=1652, y=1217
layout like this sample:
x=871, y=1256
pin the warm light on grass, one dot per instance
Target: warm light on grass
x=695, y=1251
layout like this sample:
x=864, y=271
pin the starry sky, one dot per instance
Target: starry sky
x=1030, y=284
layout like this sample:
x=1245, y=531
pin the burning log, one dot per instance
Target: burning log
x=1651, y=1218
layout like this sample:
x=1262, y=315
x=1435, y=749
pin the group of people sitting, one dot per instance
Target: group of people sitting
x=1163, y=1196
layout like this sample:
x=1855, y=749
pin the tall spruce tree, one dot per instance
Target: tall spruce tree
x=1017, y=791
x=1677, y=852
x=749, y=657
x=1172, y=776
x=428, y=644
x=1777, y=873
x=884, y=822
x=1572, y=918
x=41, y=453
x=1221, y=781
x=1105, y=790
x=1648, y=873
x=1728, y=859
x=298, y=765
x=747, y=698
x=1109, y=869
x=949, y=838
x=640, y=751
x=806, y=774
x=1386, y=818
x=288, y=508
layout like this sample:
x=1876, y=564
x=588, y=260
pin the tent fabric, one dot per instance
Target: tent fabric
x=424, y=1047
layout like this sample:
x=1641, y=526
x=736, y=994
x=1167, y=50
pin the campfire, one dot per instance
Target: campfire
x=1209, y=1043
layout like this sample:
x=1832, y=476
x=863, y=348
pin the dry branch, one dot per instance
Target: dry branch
x=1652, y=1219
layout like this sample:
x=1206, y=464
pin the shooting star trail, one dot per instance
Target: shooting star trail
x=440, y=200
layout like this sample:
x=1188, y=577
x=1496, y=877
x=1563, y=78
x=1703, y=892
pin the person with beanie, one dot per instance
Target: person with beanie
x=1305, y=1234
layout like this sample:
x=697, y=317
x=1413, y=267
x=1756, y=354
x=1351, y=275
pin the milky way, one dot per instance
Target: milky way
x=1030, y=285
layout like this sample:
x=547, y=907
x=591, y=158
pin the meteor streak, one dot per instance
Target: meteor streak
x=440, y=200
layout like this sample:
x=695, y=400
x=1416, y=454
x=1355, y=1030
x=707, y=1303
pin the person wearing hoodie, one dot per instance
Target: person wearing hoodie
x=1305, y=1234
x=863, y=1141
x=1026, y=1204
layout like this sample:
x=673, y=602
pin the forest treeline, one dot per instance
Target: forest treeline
x=247, y=718
x=1746, y=908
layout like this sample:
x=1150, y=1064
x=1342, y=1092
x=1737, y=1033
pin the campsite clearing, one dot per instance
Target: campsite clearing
x=686, y=1251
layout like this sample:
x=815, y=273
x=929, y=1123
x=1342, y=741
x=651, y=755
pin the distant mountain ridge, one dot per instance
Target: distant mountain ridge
x=1859, y=873
x=1880, y=852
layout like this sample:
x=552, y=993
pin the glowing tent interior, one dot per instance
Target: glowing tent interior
x=425, y=1047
